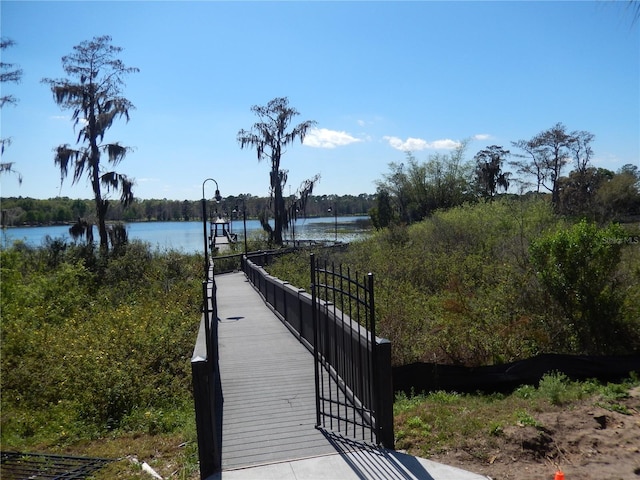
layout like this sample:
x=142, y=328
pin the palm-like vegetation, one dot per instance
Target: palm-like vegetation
x=93, y=94
x=270, y=138
x=489, y=175
x=11, y=73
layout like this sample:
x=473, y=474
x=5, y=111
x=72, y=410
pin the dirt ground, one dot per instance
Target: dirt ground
x=585, y=442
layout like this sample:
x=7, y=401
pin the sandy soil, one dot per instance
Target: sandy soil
x=585, y=442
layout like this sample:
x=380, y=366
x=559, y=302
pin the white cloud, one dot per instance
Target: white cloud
x=325, y=138
x=410, y=144
x=482, y=136
x=417, y=144
x=446, y=144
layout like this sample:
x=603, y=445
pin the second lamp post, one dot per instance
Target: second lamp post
x=217, y=197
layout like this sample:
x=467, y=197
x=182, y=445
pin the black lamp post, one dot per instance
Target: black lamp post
x=334, y=209
x=244, y=222
x=293, y=214
x=218, y=197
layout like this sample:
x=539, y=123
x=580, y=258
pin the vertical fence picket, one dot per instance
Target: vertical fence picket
x=344, y=346
x=345, y=349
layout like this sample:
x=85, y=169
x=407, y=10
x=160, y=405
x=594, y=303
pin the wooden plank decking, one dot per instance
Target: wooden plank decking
x=267, y=380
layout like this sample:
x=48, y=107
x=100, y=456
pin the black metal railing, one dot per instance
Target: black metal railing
x=267, y=257
x=207, y=387
x=348, y=397
x=228, y=263
x=342, y=361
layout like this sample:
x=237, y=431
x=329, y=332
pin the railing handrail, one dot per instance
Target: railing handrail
x=293, y=306
x=207, y=388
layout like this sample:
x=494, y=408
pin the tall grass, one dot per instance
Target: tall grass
x=91, y=346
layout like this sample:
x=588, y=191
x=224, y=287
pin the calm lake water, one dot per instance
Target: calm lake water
x=188, y=236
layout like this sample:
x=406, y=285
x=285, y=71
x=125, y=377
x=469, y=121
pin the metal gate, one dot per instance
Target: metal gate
x=19, y=466
x=347, y=394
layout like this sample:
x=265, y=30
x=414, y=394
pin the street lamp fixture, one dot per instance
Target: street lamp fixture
x=244, y=222
x=334, y=209
x=217, y=197
x=293, y=214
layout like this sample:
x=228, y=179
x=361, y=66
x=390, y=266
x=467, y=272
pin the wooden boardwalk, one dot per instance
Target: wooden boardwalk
x=267, y=380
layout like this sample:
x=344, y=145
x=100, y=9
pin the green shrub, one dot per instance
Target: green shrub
x=90, y=353
x=462, y=287
x=525, y=419
x=577, y=266
x=555, y=388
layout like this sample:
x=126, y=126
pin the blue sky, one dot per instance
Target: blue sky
x=379, y=78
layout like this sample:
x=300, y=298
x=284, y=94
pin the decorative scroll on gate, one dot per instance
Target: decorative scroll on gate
x=347, y=390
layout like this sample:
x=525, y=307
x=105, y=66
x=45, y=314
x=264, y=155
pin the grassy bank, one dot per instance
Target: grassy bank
x=95, y=354
x=428, y=424
x=586, y=429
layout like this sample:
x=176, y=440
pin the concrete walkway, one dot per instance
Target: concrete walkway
x=269, y=405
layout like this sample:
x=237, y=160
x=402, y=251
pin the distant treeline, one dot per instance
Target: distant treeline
x=30, y=211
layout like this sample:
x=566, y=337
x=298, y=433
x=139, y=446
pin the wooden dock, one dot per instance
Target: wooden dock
x=267, y=380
